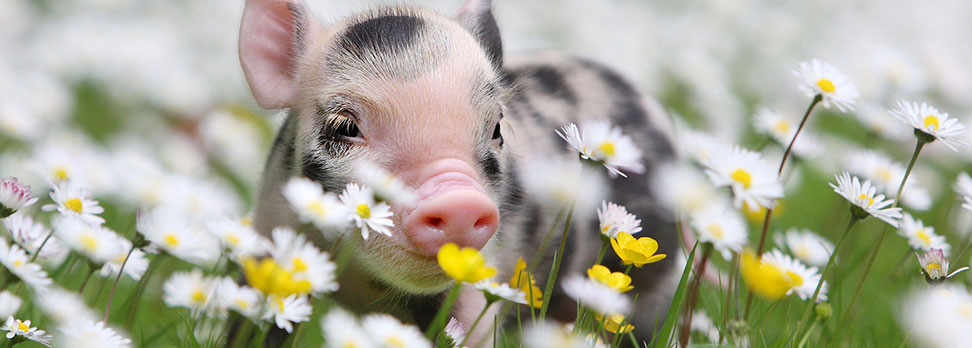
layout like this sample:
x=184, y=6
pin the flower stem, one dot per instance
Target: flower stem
x=440, y=317
x=693, y=295
x=475, y=322
x=121, y=270
x=555, y=268
x=779, y=174
x=604, y=245
x=919, y=144
x=830, y=262
x=91, y=270
x=725, y=309
x=38, y=251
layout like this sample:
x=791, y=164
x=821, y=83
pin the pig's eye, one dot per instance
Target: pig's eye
x=348, y=129
x=342, y=125
x=497, y=135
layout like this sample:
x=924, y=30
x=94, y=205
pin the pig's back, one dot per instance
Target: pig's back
x=548, y=91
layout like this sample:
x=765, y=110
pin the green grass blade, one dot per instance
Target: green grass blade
x=672, y=316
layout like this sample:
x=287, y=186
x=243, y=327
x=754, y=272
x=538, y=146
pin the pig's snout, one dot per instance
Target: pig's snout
x=453, y=209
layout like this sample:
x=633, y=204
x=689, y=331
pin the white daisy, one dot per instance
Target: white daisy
x=30, y=234
x=15, y=327
x=878, y=121
x=239, y=298
x=927, y=120
x=921, y=237
x=18, y=263
x=63, y=306
x=697, y=145
x=9, y=303
x=388, y=332
x=71, y=199
x=752, y=180
x=387, y=187
x=562, y=182
x=807, y=246
x=804, y=279
x=304, y=260
x=286, y=311
x=315, y=206
x=601, y=142
x=886, y=174
x=167, y=229
x=721, y=226
x=87, y=333
x=782, y=131
x=934, y=264
x=237, y=236
x=191, y=290
x=52, y=163
x=865, y=197
x=366, y=214
x=341, y=330
x=820, y=78
x=136, y=265
x=614, y=218
x=683, y=188
x=196, y=199
x=938, y=316
x=595, y=295
x=495, y=292
x=13, y=196
x=455, y=331
x=702, y=324
x=95, y=242
x=963, y=186
x=556, y=335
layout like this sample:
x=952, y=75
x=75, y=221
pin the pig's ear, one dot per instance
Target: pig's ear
x=477, y=17
x=272, y=35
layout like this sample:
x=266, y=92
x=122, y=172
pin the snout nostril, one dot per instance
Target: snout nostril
x=434, y=222
x=485, y=222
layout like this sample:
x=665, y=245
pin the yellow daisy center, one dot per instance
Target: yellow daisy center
x=826, y=85
x=198, y=297
x=743, y=177
x=242, y=304
x=795, y=278
x=607, y=148
x=931, y=122
x=61, y=173
x=74, y=204
x=933, y=267
x=246, y=221
x=233, y=239
x=17, y=263
x=866, y=200
x=802, y=252
x=316, y=207
x=299, y=264
x=716, y=231
x=171, y=240
x=925, y=238
x=782, y=126
x=395, y=342
x=364, y=211
x=89, y=243
x=349, y=345
x=22, y=327
x=884, y=173
x=279, y=302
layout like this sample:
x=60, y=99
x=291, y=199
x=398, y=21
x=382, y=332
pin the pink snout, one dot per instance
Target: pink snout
x=466, y=217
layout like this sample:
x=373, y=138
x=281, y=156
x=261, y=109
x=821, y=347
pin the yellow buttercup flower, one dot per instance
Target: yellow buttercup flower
x=612, y=323
x=270, y=278
x=764, y=278
x=636, y=251
x=616, y=280
x=524, y=281
x=465, y=265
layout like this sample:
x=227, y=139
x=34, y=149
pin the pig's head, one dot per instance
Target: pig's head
x=412, y=91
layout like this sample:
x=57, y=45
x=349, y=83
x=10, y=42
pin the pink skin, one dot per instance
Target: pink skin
x=452, y=208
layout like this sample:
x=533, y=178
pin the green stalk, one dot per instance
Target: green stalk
x=830, y=262
x=693, y=295
x=440, y=317
x=919, y=144
x=779, y=174
x=605, y=240
x=38, y=251
x=666, y=332
x=555, y=268
x=475, y=322
x=121, y=270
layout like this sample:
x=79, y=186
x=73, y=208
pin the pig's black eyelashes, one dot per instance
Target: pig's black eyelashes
x=341, y=126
